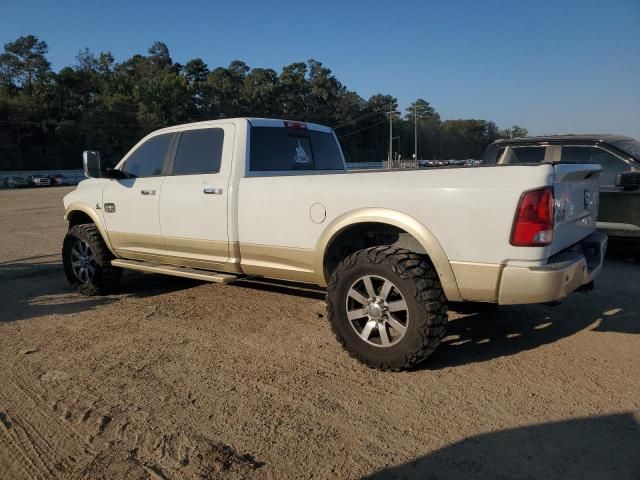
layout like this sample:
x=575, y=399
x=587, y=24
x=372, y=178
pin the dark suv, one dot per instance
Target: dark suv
x=619, y=211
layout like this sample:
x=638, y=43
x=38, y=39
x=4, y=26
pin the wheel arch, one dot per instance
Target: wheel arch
x=397, y=220
x=78, y=213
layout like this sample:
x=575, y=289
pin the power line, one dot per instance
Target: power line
x=366, y=115
x=363, y=129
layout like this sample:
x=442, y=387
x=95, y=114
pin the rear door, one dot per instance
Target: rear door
x=576, y=203
x=131, y=205
x=194, y=198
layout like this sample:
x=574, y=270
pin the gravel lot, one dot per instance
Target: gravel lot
x=174, y=378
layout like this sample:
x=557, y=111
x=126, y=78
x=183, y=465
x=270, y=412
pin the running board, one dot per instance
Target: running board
x=206, y=275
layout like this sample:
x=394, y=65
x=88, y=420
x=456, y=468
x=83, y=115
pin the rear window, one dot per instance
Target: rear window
x=199, y=151
x=526, y=155
x=277, y=149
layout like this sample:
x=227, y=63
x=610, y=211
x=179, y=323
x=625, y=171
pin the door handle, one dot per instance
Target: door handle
x=213, y=191
x=148, y=192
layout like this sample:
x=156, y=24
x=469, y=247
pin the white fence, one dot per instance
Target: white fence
x=364, y=165
x=399, y=164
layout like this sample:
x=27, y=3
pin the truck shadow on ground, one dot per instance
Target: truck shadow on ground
x=485, y=332
x=140, y=285
x=285, y=288
x=508, y=331
x=584, y=448
x=36, y=286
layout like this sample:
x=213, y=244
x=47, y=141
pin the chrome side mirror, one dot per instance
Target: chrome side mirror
x=91, y=164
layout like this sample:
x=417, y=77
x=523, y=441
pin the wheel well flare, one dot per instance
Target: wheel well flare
x=375, y=226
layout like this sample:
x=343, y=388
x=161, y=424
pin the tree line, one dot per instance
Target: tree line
x=48, y=118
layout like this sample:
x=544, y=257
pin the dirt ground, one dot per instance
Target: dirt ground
x=173, y=378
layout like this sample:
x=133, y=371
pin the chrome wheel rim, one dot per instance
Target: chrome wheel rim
x=83, y=263
x=377, y=311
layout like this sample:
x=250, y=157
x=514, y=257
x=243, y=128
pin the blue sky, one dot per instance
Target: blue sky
x=553, y=67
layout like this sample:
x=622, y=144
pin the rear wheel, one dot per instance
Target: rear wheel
x=87, y=261
x=386, y=307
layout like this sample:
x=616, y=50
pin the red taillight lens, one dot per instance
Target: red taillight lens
x=533, y=225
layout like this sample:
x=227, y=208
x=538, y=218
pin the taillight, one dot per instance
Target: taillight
x=533, y=225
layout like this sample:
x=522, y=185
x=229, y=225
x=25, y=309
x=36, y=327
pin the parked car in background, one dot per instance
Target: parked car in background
x=14, y=181
x=39, y=180
x=438, y=163
x=619, y=181
x=58, y=180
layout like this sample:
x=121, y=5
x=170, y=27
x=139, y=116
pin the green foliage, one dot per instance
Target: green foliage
x=24, y=62
x=514, y=132
x=422, y=110
x=47, y=118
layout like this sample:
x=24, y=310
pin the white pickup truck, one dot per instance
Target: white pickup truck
x=219, y=200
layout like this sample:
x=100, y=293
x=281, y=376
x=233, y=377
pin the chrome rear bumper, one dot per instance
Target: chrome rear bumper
x=565, y=272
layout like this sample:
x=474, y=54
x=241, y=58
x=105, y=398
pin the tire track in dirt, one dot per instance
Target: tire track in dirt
x=109, y=438
x=41, y=452
x=16, y=463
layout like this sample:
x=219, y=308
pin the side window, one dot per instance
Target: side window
x=199, y=151
x=276, y=149
x=148, y=159
x=526, y=154
x=498, y=154
x=611, y=165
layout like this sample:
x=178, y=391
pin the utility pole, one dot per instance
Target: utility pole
x=390, y=134
x=415, y=135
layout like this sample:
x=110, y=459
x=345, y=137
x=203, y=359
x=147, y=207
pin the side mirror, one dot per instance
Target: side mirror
x=628, y=180
x=91, y=164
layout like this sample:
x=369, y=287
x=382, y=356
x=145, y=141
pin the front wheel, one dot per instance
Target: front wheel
x=87, y=261
x=386, y=307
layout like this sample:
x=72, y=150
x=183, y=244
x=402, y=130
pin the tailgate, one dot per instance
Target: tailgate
x=576, y=203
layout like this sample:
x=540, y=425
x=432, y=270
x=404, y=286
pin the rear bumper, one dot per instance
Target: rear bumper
x=565, y=272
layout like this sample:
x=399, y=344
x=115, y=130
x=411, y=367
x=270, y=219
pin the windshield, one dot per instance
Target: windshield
x=631, y=147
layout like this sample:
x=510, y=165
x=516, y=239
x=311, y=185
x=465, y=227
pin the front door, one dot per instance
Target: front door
x=616, y=204
x=193, y=203
x=131, y=205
